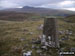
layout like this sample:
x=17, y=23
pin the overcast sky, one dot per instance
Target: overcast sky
x=56, y=4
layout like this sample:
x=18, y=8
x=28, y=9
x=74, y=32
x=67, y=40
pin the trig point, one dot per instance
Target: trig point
x=50, y=31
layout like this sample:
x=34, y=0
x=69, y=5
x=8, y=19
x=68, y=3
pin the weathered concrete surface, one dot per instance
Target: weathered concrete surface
x=51, y=29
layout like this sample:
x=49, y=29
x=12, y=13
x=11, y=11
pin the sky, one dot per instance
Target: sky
x=55, y=4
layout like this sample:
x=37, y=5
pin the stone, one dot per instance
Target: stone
x=31, y=33
x=44, y=47
x=36, y=42
x=44, y=36
x=49, y=38
x=46, y=44
x=29, y=53
x=72, y=49
x=22, y=39
x=33, y=46
x=68, y=32
x=64, y=38
x=39, y=51
x=24, y=54
x=60, y=40
x=40, y=36
x=44, y=54
x=40, y=27
x=61, y=32
x=41, y=54
x=50, y=42
x=43, y=39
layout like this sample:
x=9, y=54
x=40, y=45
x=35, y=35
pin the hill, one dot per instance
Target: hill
x=42, y=11
x=70, y=19
x=16, y=16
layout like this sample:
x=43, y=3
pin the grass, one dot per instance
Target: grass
x=11, y=33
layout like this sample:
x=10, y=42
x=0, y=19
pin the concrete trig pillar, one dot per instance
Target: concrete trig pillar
x=50, y=29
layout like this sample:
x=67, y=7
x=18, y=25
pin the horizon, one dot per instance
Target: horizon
x=39, y=7
x=59, y=4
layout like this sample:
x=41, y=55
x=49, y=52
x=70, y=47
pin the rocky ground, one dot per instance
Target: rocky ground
x=17, y=38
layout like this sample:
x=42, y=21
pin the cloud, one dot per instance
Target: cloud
x=56, y=4
x=71, y=9
x=67, y=4
x=27, y=2
x=8, y=4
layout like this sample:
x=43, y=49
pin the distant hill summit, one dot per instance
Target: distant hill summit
x=28, y=7
x=42, y=11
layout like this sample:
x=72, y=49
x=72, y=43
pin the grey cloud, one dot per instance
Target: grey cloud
x=32, y=2
x=52, y=3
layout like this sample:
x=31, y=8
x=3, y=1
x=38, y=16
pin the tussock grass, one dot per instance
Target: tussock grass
x=11, y=33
